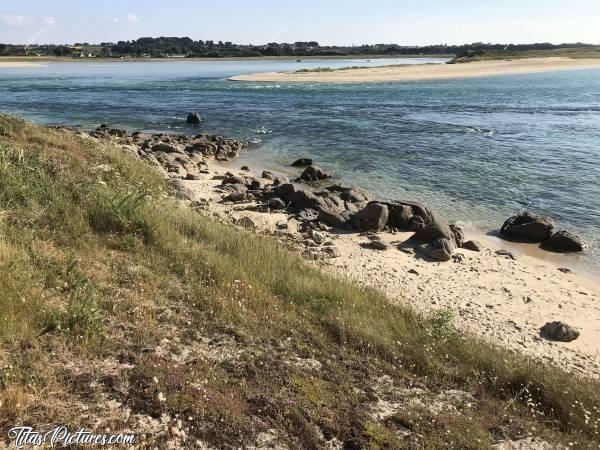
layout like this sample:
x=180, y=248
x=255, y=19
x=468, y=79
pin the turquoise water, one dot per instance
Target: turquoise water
x=475, y=150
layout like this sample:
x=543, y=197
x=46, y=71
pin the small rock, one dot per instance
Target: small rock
x=559, y=331
x=474, y=246
x=302, y=162
x=332, y=252
x=268, y=175
x=413, y=272
x=193, y=118
x=276, y=203
x=506, y=254
x=565, y=270
x=246, y=222
x=317, y=236
x=378, y=244
x=313, y=173
x=245, y=168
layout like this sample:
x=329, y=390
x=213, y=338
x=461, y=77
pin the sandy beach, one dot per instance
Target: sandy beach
x=17, y=64
x=426, y=71
x=496, y=297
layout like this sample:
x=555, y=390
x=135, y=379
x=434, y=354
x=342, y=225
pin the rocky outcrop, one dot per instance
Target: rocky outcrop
x=373, y=217
x=193, y=118
x=408, y=216
x=559, y=331
x=528, y=227
x=313, y=173
x=564, y=242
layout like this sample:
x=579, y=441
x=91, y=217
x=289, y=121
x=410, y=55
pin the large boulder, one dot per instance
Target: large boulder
x=302, y=162
x=313, y=173
x=439, y=249
x=433, y=231
x=559, y=331
x=352, y=194
x=564, y=242
x=305, y=199
x=193, y=118
x=411, y=216
x=528, y=227
x=285, y=191
x=373, y=217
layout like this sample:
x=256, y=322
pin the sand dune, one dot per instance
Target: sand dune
x=427, y=71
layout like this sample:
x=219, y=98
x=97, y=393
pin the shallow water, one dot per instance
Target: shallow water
x=475, y=150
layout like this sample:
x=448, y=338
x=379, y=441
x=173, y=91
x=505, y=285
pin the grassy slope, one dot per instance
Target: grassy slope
x=100, y=268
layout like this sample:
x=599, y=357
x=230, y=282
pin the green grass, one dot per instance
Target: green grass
x=98, y=262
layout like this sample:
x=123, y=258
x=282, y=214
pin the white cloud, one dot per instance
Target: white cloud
x=129, y=18
x=15, y=21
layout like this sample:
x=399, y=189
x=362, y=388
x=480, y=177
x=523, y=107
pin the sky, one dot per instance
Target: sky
x=333, y=22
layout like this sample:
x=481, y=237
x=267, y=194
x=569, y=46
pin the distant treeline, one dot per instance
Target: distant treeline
x=186, y=47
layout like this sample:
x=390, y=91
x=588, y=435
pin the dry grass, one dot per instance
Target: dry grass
x=100, y=268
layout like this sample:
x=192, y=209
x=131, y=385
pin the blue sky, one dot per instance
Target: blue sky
x=329, y=22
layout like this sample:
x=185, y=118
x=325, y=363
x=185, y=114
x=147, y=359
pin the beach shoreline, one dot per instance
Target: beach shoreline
x=425, y=72
x=499, y=294
x=498, y=298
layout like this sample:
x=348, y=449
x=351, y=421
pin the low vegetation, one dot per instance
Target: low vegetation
x=568, y=52
x=124, y=309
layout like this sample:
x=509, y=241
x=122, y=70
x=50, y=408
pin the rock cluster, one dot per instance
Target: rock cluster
x=181, y=156
x=529, y=227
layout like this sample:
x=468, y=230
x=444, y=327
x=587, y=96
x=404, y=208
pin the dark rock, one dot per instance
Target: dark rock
x=356, y=195
x=237, y=197
x=268, y=175
x=528, y=227
x=413, y=272
x=304, y=199
x=276, y=203
x=565, y=270
x=302, y=162
x=372, y=218
x=434, y=231
x=236, y=187
x=564, y=242
x=246, y=222
x=166, y=148
x=332, y=251
x=506, y=254
x=439, y=249
x=459, y=235
x=193, y=118
x=406, y=215
x=285, y=191
x=258, y=185
x=313, y=173
x=234, y=179
x=474, y=246
x=379, y=244
x=245, y=168
x=559, y=331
